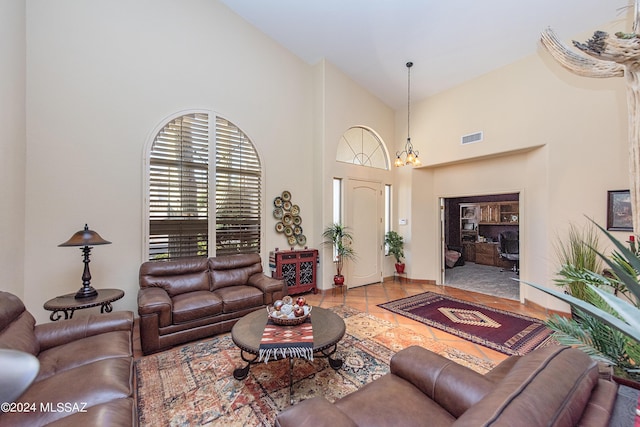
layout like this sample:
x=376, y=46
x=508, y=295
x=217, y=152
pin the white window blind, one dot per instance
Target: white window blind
x=178, y=189
x=179, y=217
x=238, y=181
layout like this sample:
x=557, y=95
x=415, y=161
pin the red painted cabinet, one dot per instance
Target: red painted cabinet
x=297, y=268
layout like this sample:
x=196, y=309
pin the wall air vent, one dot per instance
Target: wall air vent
x=471, y=138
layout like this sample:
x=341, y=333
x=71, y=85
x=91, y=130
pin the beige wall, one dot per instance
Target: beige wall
x=104, y=75
x=345, y=104
x=558, y=139
x=12, y=144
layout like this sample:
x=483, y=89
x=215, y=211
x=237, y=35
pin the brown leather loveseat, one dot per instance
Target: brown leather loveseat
x=553, y=386
x=185, y=300
x=85, y=376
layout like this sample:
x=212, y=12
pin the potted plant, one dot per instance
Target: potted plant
x=606, y=327
x=395, y=242
x=339, y=237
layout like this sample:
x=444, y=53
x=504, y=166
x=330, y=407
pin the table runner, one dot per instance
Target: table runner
x=286, y=341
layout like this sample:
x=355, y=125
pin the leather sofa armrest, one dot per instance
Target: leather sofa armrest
x=155, y=301
x=317, y=412
x=272, y=288
x=54, y=334
x=454, y=387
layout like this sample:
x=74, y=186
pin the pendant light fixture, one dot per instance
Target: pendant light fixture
x=411, y=155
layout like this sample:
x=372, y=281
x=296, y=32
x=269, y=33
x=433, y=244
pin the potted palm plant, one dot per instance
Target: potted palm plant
x=339, y=237
x=395, y=242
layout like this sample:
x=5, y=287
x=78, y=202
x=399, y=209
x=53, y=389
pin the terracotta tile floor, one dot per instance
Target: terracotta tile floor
x=366, y=298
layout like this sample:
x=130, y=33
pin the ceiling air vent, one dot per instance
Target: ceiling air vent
x=471, y=138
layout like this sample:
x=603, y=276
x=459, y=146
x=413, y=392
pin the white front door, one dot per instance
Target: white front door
x=364, y=208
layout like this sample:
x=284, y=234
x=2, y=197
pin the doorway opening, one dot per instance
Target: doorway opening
x=481, y=244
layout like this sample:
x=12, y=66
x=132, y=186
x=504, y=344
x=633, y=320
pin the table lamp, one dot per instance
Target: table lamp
x=85, y=238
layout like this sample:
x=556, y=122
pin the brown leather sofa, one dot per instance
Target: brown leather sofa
x=86, y=368
x=553, y=386
x=186, y=300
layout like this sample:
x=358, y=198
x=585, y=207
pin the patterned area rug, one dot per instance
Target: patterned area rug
x=194, y=385
x=508, y=333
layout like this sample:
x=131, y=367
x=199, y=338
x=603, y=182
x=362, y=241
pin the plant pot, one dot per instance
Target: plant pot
x=338, y=280
x=399, y=267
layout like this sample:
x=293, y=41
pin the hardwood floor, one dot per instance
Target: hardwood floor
x=366, y=298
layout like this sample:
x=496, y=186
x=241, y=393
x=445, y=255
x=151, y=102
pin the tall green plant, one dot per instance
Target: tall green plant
x=395, y=242
x=606, y=327
x=339, y=237
x=579, y=251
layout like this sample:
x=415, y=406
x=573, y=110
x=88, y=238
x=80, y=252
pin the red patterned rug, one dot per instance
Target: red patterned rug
x=194, y=385
x=506, y=332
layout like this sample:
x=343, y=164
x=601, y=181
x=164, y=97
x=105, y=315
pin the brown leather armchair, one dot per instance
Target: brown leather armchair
x=185, y=300
x=86, y=368
x=552, y=386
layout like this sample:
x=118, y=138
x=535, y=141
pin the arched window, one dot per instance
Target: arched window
x=181, y=161
x=362, y=146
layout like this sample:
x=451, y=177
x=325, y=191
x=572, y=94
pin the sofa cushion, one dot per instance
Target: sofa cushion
x=176, y=277
x=16, y=325
x=84, y=351
x=237, y=298
x=524, y=393
x=195, y=305
x=233, y=270
x=88, y=386
x=393, y=401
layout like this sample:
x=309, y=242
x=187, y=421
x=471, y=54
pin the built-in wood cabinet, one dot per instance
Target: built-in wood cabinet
x=503, y=213
x=469, y=218
x=469, y=250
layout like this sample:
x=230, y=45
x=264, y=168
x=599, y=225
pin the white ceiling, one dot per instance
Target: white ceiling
x=449, y=41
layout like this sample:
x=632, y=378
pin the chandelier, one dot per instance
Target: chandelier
x=411, y=155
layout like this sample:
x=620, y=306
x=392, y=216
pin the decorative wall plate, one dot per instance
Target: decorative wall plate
x=288, y=219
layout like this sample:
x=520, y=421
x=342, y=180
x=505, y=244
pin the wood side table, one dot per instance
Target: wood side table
x=68, y=304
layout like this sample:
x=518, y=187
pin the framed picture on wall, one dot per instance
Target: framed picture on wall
x=619, y=211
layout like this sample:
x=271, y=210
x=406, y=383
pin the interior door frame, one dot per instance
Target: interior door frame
x=521, y=228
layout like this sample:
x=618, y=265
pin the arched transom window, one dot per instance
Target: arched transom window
x=362, y=146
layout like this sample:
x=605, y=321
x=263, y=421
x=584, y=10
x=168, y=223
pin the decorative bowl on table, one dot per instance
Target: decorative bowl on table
x=287, y=312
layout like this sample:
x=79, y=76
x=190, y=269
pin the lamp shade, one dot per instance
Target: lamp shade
x=85, y=237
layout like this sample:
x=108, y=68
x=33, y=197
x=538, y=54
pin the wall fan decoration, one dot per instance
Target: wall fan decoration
x=288, y=219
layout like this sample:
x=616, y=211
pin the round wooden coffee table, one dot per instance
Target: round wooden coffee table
x=328, y=330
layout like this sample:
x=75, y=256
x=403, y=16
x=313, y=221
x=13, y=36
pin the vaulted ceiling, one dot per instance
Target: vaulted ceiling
x=449, y=41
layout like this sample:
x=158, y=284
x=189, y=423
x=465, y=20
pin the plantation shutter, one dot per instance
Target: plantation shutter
x=178, y=189
x=238, y=181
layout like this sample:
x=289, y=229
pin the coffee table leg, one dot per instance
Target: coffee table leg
x=241, y=373
x=291, y=380
x=334, y=363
